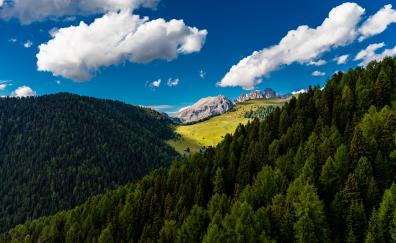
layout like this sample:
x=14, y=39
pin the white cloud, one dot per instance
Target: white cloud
x=23, y=91
x=1, y=2
x=77, y=52
x=70, y=19
x=301, y=91
x=4, y=84
x=28, y=44
x=317, y=63
x=155, y=83
x=202, y=74
x=160, y=107
x=58, y=82
x=13, y=40
x=173, y=82
x=318, y=73
x=184, y=108
x=341, y=59
x=28, y=11
x=378, y=23
x=369, y=54
x=302, y=45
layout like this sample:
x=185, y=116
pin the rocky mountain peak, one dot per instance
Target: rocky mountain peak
x=204, y=108
x=256, y=94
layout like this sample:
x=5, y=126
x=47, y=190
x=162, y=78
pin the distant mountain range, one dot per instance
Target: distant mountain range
x=257, y=94
x=217, y=105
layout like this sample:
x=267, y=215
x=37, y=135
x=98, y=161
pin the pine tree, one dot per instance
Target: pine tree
x=359, y=146
x=106, y=235
x=168, y=232
x=356, y=220
x=373, y=232
x=341, y=162
x=363, y=172
x=383, y=89
x=311, y=224
x=385, y=213
x=193, y=226
x=392, y=230
x=329, y=177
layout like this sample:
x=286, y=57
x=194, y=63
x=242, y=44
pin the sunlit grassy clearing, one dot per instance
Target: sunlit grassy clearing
x=212, y=131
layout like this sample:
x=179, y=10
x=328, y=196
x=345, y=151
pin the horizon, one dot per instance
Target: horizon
x=207, y=55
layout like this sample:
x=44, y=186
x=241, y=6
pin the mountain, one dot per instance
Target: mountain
x=211, y=106
x=269, y=93
x=58, y=150
x=319, y=169
x=285, y=96
x=257, y=94
x=204, y=108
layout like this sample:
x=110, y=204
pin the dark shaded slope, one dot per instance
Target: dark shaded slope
x=57, y=150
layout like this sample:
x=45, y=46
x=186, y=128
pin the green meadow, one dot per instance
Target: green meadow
x=210, y=132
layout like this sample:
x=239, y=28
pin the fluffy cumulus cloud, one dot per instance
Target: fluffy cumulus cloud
x=77, y=52
x=23, y=91
x=318, y=73
x=378, y=23
x=370, y=53
x=341, y=59
x=301, y=45
x=173, y=82
x=28, y=11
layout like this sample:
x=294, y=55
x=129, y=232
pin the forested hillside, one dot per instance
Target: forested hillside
x=58, y=150
x=320, y=169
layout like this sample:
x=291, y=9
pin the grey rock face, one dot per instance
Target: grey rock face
x=257, y=94
x=204, y=108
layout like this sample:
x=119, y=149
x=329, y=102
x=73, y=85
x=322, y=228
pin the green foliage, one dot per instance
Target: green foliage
x=260, y=113
x=311, y=171
x=168, y=232
x=310, y=225
x=106, y=235
x=58, y=150
x=193, y=227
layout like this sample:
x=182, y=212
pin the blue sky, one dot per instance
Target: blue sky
x=235, y=29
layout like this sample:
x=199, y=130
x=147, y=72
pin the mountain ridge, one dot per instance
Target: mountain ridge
x=217, y=105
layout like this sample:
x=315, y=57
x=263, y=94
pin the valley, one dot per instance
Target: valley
x=160, y=121
x=211, y=131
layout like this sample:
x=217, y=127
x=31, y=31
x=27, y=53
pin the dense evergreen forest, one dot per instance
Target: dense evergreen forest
x=320, y=169
x=58, y=150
